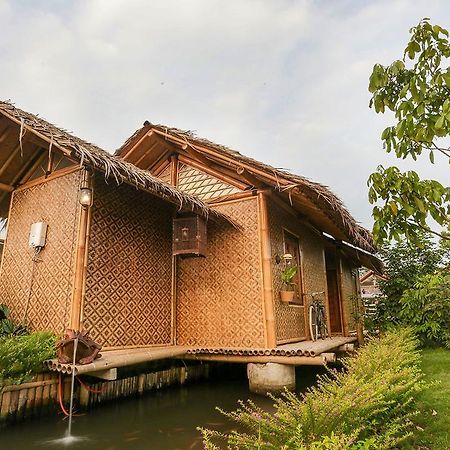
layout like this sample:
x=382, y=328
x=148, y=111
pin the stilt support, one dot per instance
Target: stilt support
x=270, y=377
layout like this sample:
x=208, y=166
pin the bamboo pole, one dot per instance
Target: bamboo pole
x=287, y=360
x=38, y=395
x=80, y=264
x=6, y=187
x=266, y=260
x=6, y=399
x=46, y=392
x=33, y=384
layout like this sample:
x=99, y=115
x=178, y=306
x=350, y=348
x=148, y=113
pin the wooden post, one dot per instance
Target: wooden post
x=340, y=273
x=80, y=264
x=266, y=261
x=174, y=182
x=174, y=170
x=327, y=300
x=51, y=159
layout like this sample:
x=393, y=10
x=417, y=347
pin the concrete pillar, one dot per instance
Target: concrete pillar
x=270, y=377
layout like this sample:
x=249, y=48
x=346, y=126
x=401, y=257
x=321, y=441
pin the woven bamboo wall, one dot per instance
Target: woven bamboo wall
x=348, y=294
x=290, y=320
x=128, y=282
x=46, y=287
x=202, y=185
x=219, y=299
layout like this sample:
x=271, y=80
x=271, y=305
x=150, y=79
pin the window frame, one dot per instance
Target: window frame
x=300, y=293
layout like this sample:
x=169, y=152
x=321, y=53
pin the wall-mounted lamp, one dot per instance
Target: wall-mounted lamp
x=287, y=258
x=86, y=197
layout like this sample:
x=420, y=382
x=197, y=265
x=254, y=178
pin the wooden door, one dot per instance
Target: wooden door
x=334, y=294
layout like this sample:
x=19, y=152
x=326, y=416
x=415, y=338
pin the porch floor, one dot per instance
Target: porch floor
x=299, y=353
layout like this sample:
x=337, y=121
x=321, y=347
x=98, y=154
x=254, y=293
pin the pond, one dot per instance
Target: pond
x=159, y=420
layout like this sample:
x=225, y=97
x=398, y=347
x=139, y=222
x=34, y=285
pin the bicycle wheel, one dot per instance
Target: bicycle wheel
x=313, y=322
x=322, y=324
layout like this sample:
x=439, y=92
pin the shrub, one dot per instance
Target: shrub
x=405, y=263
x=21, y=356
x=7, y=326
x=367, y=406
x=426, y=307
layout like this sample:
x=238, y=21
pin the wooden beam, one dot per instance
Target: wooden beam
x=160, y=168
x=174, y=170
x=36, y=160
x=44, y=179
x=266, y=263
x=13, y=154
x=50, y=163
x=145, y=154
x=137, y=144
x=35, y=132
x=5, y=134
x=6, y=187
x=226, y=198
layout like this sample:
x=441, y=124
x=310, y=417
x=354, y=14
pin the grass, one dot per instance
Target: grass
x=433, y=423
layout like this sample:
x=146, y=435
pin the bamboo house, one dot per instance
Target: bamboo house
x=172, y=246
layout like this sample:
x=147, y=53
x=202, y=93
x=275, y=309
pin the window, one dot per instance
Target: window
x=292, y=246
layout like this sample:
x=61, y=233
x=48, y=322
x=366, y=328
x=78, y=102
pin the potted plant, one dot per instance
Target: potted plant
x=287, y=276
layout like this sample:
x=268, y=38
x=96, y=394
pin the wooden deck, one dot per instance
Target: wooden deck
x=112, y=359
x=301, y=353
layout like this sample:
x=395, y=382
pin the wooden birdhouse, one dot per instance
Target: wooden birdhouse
x=189, y=236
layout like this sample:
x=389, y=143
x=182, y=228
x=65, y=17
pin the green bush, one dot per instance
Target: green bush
x=405, y=263
x=22, y=356
x=367, y=406
x=7, y=326
x=426, y=307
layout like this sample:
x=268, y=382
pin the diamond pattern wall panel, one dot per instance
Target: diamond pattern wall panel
x=290, y=320
x=128, y=284
x=42, y=288
x=202, y=185
x=219, y=298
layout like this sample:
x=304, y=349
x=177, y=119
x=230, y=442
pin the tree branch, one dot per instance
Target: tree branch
x=428, y=230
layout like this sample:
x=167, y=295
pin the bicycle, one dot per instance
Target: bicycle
x=317, y=318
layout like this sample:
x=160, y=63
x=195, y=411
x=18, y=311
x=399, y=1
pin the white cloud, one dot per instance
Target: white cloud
x=282, y=81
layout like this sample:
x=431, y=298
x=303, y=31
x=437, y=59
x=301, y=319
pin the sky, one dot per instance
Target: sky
x=282, y=81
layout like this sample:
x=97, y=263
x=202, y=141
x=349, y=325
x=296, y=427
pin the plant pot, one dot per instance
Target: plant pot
x=287, y=296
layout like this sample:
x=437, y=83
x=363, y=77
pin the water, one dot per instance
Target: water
x=68, y=435
x=160, y=420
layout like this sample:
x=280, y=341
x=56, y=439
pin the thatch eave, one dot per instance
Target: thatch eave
x=290, y=185
x=112, y=166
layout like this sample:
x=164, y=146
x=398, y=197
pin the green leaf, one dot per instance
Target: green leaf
x=393, y=206
x=432, y=157
x=439, y=123
x=419, y=204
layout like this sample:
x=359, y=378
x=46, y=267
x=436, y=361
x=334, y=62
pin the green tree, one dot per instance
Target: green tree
x=405, y=263
x=417, y=90
x=426, y=308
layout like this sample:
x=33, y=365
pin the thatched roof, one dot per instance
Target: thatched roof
x=282, y=180
x=113, y=167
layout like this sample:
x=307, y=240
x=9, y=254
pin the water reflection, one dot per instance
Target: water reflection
x=162, y=420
